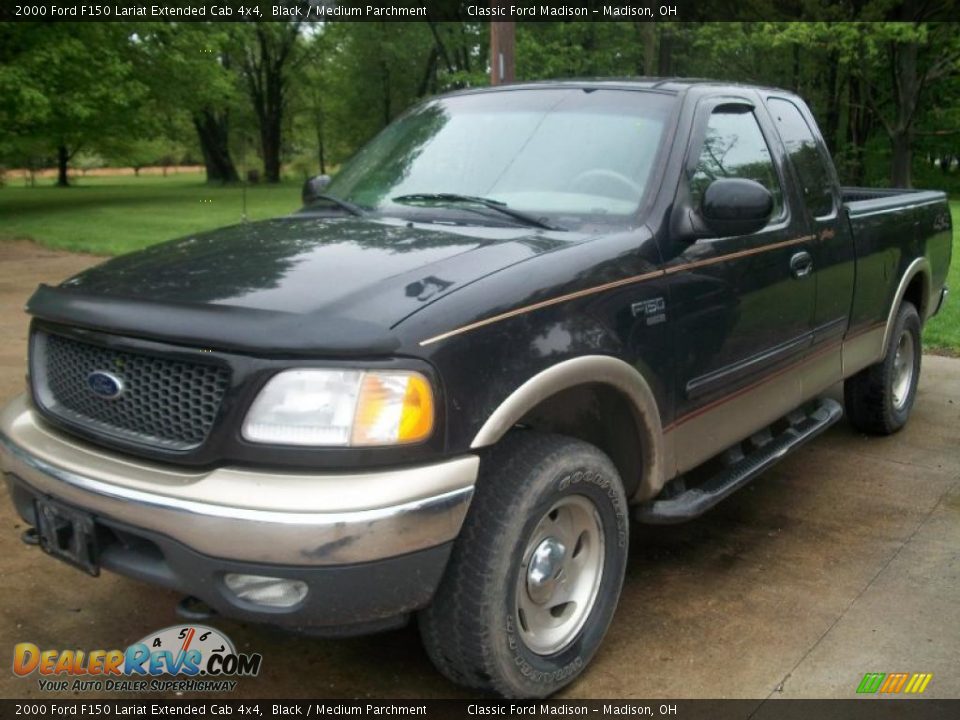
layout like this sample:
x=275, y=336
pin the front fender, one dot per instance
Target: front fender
x=582, y=370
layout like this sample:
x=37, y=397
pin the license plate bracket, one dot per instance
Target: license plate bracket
x=68, y=535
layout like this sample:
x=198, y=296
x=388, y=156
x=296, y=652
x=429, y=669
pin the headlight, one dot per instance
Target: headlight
x=341, y=408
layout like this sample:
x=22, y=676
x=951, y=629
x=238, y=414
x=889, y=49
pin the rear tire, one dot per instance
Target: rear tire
x=535, y=574
x=879, y=398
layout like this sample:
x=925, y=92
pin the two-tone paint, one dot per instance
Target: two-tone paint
x=702, y=342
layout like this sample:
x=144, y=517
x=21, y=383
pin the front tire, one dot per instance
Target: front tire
x=879, y=398
x=536, y=572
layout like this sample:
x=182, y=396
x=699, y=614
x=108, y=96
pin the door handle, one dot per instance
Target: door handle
x=801, y=264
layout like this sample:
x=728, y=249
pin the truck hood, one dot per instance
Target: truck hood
x=295, y=284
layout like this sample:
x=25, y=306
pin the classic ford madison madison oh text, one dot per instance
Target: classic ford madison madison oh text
x=516, y=320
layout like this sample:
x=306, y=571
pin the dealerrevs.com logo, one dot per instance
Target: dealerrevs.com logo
x=181, y=658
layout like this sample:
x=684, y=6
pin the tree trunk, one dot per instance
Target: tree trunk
x=648, y=38
x=386, y=90
x=270, y=134
x=900, y=172
x=213, y=132
x=795, y=73
x=832, y=124
x=265, y=72
x=854, y=164
x=907, y=97
x=665, y=54
x=429, y=80
x=63, y=159
x=321, y=154
x=270, y=115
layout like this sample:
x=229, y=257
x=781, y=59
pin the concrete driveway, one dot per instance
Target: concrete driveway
x=845, y=559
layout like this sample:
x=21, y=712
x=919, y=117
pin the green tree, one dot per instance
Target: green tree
x=194, y=88
x=375, y=72
x=269, y=54
x=56, y=90
x=917, y=55
x=565, y=49
x=888, y=56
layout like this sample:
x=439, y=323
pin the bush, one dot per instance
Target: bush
x=304, y=165
x=930, y=176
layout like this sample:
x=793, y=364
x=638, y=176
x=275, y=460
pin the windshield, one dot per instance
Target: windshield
x=569, y=154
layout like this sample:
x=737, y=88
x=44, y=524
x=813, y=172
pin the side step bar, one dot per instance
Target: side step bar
x=695, y=501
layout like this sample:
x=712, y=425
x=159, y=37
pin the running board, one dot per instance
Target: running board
x=695, y=501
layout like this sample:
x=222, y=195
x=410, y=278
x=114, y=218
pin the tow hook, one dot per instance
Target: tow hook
x=30, y=536
x=194, y=609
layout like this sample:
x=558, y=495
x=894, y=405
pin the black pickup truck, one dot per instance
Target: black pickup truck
x=517, y=319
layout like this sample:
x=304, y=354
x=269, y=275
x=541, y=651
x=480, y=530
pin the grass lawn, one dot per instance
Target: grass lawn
x=113, y=215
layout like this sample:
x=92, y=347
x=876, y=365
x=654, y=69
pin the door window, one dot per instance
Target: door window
x=734, y=147
x=806, y=156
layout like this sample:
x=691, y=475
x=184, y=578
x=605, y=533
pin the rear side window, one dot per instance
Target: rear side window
x=734, y=147
x=805, y=154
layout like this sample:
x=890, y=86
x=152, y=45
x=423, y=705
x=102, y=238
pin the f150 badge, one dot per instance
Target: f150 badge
x=654, y=310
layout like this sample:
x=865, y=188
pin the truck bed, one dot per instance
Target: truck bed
x=860, y=200
x=893, y=227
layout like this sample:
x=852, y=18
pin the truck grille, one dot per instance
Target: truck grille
x=167, y=403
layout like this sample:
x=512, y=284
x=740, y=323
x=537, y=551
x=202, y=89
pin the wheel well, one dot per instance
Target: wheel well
x=917, y=293
x=598, y=414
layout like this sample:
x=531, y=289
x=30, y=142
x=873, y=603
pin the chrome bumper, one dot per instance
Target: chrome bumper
x=240, y=514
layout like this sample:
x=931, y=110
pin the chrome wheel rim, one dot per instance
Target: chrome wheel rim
x=560, y=574
x=903, y=370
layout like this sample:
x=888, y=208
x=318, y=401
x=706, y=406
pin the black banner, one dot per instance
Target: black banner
x=319, y=11
x=864, y=709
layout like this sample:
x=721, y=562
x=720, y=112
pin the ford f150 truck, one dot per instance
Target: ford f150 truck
x=517, y=319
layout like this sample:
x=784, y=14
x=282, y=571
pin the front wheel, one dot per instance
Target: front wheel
x=879, y=398
x=535, y=574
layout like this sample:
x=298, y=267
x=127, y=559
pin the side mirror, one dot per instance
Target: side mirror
x=734, y=206
x=313, y=188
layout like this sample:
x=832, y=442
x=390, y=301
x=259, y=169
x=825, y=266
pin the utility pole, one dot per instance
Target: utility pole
x=502, y=44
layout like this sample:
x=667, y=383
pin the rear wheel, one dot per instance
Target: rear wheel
x=536, y=572
x=879, y=398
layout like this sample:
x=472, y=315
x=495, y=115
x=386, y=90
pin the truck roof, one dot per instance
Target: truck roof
x=658, y=84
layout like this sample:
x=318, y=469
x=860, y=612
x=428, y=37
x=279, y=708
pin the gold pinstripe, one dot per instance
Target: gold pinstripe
x=670, y=270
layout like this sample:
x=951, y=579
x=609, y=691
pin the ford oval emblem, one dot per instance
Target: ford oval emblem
x=105, y=384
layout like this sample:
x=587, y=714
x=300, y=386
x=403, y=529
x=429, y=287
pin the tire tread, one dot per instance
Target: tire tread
x=868, y=395
x=460, y=648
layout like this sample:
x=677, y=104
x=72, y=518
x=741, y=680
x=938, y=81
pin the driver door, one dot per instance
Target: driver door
x=744, y=305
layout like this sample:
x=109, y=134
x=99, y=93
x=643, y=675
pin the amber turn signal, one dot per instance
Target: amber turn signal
x=393, y=407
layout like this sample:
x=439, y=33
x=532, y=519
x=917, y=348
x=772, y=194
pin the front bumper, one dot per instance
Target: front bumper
x=373, y=544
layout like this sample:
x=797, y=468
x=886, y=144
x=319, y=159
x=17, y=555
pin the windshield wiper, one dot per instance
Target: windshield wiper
x=497, y=205
x=343, y=204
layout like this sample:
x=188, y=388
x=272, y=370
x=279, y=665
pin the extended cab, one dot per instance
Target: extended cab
x=515, y=320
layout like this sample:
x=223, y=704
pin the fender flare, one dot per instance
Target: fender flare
x=589, y=369
x=920, y=266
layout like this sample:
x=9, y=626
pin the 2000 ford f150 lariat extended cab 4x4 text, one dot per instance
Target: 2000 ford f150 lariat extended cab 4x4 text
x=516, y=318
